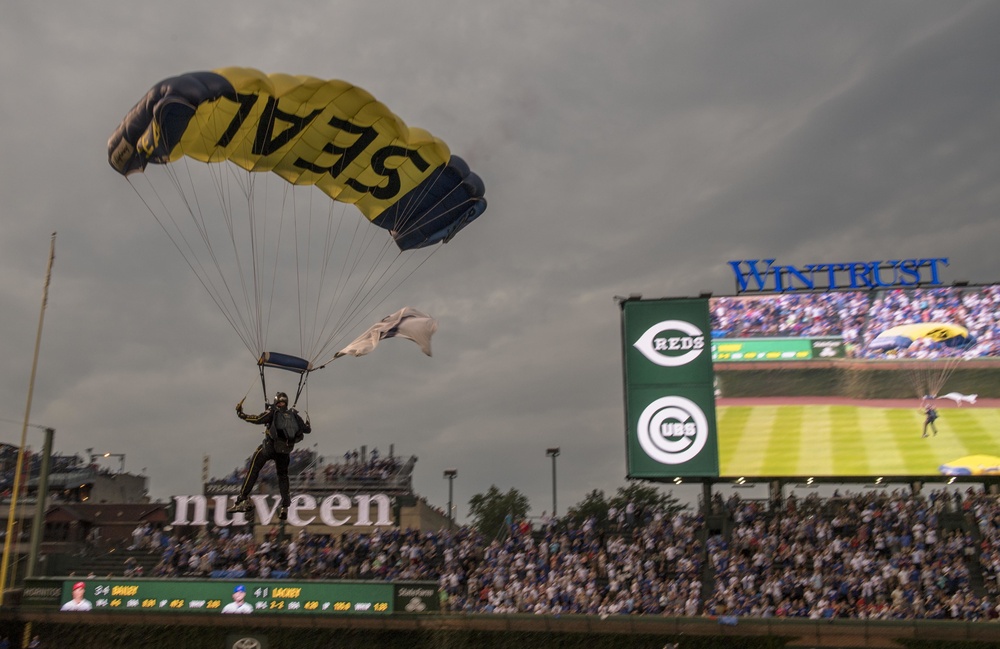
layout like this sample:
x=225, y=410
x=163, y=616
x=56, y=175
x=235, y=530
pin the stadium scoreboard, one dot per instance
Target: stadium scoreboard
x=212, y=595
x=814, y=384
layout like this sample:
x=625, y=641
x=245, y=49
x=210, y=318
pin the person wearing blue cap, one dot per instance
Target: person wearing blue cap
x=239, y=603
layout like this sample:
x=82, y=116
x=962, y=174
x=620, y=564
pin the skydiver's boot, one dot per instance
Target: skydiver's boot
x=241, y=505
x=283, y=513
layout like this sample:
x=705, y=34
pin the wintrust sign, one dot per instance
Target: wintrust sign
x=333, y=510
x=764, y=275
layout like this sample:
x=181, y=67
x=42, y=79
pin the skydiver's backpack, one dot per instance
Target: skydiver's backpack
x=287, y=430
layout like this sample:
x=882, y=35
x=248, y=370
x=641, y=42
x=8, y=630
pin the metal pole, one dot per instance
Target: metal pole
x=553, y=453
x=554, y=508
x=38, y=525
x=450, y=474
x=8, y=541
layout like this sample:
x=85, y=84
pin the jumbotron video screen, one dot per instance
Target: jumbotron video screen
x=891, y=382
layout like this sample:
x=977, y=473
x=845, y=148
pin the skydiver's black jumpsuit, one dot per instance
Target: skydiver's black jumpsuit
x=276, y=446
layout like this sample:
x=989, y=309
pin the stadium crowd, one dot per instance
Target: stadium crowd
x=299, y=461
x=356, y=467
x=874, y=556
x=868, y=558
x=791, y=315
x=859, y=316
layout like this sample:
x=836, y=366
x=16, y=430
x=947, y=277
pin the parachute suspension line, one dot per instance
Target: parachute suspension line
x=951, y=365
x=177, y=238
x=371, y=279
x=252, y=287
x=263, y=382
x=405, y=212
x=226, y=201
x=351, y=246
x=303, y=253
x=192, y=200
x=265, y=288
x=247, y=393
x=320, y=229
x=298, y=391
x=310, y=322
x=918, y=380
x=330, y=231
x=221, y=176
x=356, y=251
x=929, y=376
x=363, y=310
x=376, y=289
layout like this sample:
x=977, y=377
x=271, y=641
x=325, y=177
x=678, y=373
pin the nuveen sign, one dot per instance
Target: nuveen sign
x=669, y=395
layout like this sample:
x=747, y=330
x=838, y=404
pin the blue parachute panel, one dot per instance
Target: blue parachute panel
x=436, y=209
x=285, y=362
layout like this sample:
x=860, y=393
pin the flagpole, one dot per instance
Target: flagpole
x=8, y=541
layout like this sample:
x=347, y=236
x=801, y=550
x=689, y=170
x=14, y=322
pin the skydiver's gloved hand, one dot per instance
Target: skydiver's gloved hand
x=239, y=408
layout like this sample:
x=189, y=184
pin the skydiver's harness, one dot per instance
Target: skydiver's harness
x=284, y=429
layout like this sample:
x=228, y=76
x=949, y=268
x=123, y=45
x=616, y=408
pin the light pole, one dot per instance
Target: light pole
x=553, y=453
x=38, y=523
x=450, y=474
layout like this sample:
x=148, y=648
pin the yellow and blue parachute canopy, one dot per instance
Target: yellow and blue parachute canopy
x=308, y=131
x=902, y=336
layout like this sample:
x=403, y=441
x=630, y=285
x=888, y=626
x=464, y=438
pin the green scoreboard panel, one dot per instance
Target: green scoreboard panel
x=748, y=350
x=212, y=596
x=669, y=394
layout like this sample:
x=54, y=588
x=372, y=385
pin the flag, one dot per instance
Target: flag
x=406, y=323
x=958, y=398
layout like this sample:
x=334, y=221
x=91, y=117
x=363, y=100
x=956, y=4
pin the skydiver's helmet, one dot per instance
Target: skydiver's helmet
x=281, y=399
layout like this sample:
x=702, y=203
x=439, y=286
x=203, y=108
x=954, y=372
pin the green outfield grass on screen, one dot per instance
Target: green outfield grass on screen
x=848, y=440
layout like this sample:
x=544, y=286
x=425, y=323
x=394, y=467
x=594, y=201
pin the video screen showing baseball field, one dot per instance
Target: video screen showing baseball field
x=838, y=384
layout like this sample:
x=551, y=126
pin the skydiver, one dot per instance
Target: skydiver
x=284, y=427
x=930, y=416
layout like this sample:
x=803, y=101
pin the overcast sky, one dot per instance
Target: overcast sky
x=627, y=147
